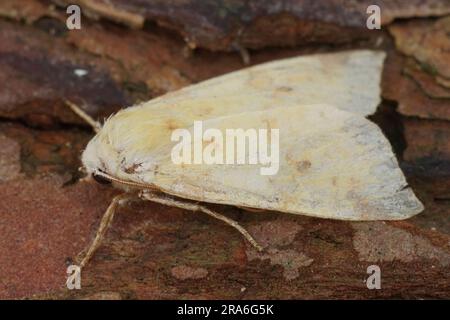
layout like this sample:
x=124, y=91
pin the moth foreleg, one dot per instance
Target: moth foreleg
x=196, y=207
x=83, y=115
x=104, y=225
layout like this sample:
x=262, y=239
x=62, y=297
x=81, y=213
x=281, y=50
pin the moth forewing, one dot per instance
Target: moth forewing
x=349, y=80
x=332, y=164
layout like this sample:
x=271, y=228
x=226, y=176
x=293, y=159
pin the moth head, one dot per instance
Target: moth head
x=105, y=157
x=99, y=160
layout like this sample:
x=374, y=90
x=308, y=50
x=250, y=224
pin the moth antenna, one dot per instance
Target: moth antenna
x=187, y=51
x=83, y=115
x=196, y=207
x=245, y=54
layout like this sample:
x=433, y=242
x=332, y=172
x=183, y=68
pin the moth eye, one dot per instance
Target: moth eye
x=100, y=179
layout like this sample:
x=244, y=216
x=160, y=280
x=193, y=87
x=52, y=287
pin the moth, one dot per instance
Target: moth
x=333, y=162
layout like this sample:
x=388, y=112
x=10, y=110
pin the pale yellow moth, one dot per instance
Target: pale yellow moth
x=333, y=162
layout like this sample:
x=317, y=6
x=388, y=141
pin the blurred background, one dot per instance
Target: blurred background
x=127, y=52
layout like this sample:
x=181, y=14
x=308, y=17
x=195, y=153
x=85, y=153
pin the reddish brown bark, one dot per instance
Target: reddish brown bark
x=151, y=251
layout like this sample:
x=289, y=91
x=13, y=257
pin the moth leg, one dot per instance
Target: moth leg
x=83, y=115
x=196, y=207
x=104, y=225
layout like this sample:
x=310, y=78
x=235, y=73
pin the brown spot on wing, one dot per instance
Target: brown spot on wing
x=300, y=165
x=284, y=89
x=132, y=169
x=334, y=181
x=171, y=124
x=303, y=165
